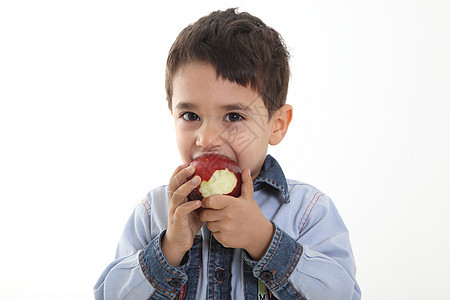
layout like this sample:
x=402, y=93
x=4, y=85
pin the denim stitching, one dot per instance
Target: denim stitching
x=280, y=186
x=273, y=250
x=296, y=291
x=274, y=184
x=213, y=270
x=310, y=212
x=162, y=262
x=149, y=278
x=291, y=268
x=199, y=267
x=146, y=204
x=301, y=220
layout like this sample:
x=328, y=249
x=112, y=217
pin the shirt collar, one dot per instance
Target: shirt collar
x=272, y=175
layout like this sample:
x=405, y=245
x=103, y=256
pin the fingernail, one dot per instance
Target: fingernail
x=189, y=167
x=195, y=180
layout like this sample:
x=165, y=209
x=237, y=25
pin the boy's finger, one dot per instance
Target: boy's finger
x=179, y=195
x=179, y=168
x=186, y=208
x=179, y=177
x=210, y=215
x=247, y=184
x=214, y=227
x=215, y=202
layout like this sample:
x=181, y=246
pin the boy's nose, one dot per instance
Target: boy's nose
x=209, y=136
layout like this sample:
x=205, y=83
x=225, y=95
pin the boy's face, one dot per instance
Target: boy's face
x=213, y=115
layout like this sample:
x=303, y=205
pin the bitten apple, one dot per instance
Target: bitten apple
x=219, y=175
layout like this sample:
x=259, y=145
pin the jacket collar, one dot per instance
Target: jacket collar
x=272, y=175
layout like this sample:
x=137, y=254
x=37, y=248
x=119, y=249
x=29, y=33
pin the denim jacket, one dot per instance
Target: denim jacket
x=309, y=257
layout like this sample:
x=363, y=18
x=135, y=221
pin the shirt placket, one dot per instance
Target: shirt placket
x=219, y=271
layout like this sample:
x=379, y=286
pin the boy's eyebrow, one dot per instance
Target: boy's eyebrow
x=235, y=106
x=227, y=107
x=185, y=106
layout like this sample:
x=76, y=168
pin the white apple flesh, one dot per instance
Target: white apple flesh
x=222, y=182
x=219, y=175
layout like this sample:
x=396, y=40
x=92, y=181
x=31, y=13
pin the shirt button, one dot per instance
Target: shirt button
x=175, y=282
x=266, y=276
x=220, y=274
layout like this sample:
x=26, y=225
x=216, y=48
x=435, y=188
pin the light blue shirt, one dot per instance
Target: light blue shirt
x=310, y=255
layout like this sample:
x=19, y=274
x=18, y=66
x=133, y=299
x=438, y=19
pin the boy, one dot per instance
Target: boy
x=226, y=82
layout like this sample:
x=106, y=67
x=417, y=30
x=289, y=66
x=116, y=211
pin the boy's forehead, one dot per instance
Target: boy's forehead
x=197, y=85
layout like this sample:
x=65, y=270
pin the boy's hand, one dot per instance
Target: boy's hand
x=184, y=221
x=238, y=222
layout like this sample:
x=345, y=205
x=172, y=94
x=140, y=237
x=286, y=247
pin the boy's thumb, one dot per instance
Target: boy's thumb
x=247, y=183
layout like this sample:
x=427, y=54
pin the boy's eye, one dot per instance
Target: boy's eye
x=233, y=117
x=190, y=116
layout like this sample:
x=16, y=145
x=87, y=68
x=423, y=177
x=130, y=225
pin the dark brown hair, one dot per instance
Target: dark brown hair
x=241, y=48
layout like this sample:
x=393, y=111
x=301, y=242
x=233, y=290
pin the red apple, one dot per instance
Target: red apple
x=219, y=175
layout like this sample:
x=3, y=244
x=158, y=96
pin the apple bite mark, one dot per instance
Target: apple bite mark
x=219, y=175
x=222, y=182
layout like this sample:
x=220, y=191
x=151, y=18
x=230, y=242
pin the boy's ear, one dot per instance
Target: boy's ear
x=280, y=124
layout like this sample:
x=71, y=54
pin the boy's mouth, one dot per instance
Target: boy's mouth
x=208, y=153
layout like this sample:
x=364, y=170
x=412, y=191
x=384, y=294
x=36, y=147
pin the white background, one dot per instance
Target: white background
x=85, y=132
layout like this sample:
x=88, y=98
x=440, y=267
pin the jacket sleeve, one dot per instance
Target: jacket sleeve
x=316, y=264
x=140, y=270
